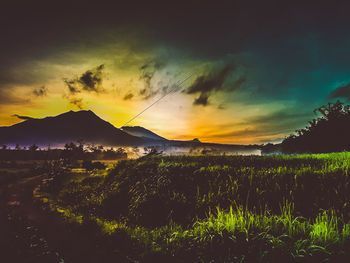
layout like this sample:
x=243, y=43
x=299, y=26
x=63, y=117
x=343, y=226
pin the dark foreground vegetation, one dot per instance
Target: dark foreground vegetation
x=207, y=209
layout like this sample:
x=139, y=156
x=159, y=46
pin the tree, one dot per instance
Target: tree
x=73, y=152
x=327, y=133
x=333, y=110
x=152, y=150
x=33, y=147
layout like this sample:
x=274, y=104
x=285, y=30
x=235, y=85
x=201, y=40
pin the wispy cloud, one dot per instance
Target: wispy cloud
x=9, y=97
x=89, y=81
x=274, y=125
x=40, y=92
x=77, y=102
x=128, y=96
x=147, y=72
x=214, y=80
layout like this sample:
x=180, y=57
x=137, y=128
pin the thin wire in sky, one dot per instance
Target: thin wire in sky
x=175, y=87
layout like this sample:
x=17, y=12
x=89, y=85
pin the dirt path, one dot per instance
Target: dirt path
x=28, y=234
x=21, y=240
x=19, y=199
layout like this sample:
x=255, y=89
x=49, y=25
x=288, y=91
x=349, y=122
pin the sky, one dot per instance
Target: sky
x=257, y=69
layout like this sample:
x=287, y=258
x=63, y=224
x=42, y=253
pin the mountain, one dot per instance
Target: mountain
x=87, y=127
x=70, y=126
x=142, y=132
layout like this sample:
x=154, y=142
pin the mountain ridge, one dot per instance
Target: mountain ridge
x=89, y=128
x=82, y=125
x=142, y=132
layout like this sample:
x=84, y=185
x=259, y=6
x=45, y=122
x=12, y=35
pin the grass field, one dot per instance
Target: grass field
x=285, y=208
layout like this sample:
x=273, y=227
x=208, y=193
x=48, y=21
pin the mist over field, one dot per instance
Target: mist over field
x=193, y=151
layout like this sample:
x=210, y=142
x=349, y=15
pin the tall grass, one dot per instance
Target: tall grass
x=219, y=208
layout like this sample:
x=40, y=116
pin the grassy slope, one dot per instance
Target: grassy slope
x=226, y=209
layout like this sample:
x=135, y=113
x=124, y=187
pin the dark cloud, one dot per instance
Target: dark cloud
x=77, y=102
x=147, y=72
x=214, y=81
x=23, y=117
x=237, y=84
x=40, y=92
x=90, y=81
x=341, y=92
x=202, y=99
x=216, y=28
x=71, y=85
x=128, y=96
x=221, y=107
x=288, y=64
x=24, y=74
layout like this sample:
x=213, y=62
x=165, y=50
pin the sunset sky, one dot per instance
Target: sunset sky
x=259, y=67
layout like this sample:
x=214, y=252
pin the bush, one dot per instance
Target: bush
x=89, y=165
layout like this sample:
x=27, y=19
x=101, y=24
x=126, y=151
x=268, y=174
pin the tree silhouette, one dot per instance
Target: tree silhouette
x=333, y=111
x=327, y=133
x=150, y=151
x=33, y=148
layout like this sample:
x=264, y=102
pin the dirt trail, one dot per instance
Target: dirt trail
x=29, y=235
x=21, y=240
x=20, y=198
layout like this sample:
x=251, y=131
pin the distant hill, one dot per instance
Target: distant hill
x=70, y=126
x=142, y=132
x=87, y=127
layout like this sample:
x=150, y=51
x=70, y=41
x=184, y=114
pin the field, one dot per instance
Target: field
x=284, y=208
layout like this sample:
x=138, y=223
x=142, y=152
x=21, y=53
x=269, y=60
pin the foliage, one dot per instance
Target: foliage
x=89, y=165
x=327, y=133
x=150, y=151
x=294, y=208
x=71, y=153
x=33, y=148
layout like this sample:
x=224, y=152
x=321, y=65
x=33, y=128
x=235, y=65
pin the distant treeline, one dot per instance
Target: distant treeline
x=71, y=151
x=330, y=132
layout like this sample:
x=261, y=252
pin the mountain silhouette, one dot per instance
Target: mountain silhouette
x=70, y=126
x=87, y=127
x=142, y=132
